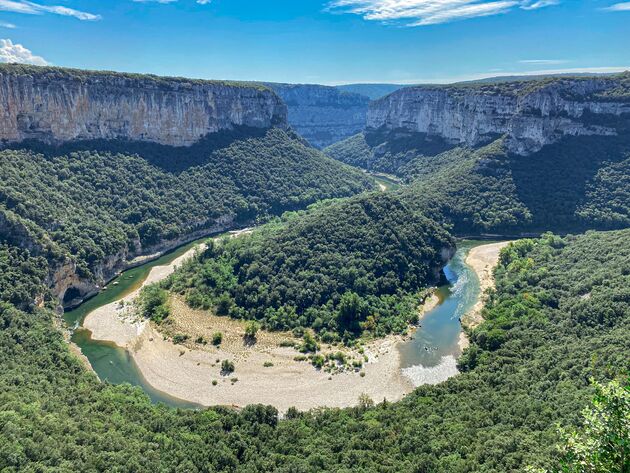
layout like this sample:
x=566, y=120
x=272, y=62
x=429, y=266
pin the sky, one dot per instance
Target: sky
x=320, y=41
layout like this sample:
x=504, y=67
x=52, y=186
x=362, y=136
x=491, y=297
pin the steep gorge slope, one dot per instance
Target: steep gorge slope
x=508, y=157
x=531, y=114
x=93, y=205
x=56, y=105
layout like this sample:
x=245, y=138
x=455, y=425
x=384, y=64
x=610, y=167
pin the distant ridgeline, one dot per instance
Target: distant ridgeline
x=323, y=115
x=101, y=167
x=507, y=156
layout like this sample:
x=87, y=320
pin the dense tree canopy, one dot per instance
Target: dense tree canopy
x=576, y=184
x=92, y=200
x=342, y=268
x=559, y=317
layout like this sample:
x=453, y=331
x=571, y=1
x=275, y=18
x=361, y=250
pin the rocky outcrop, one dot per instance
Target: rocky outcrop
x=56, y=105
x=323, y=115
x=531, y=114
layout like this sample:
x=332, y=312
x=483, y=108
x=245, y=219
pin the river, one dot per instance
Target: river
x=433, y=348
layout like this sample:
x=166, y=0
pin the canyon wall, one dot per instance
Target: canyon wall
x=56, y=105
x=530, y=114
x=323, y=115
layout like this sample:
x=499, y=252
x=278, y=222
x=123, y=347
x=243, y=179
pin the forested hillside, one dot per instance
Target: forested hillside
x=95, y=200
x=573, y=185
x=559, y=317
x=342, y=268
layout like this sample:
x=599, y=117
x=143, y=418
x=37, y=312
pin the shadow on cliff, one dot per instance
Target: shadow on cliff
x=553, y=183
x=174, y=159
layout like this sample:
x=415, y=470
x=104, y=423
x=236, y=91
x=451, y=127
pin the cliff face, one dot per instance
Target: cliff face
x=323, y=115
x=56, y=105
x=530, y=113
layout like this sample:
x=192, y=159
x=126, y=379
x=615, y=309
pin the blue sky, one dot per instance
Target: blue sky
x=320, y=41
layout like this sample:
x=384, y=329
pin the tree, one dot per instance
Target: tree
x=351, y=311
x=602, y=445
x=251, y=329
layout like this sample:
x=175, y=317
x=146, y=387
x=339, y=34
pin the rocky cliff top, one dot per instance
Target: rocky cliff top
x=56, y=105
x=530, y=114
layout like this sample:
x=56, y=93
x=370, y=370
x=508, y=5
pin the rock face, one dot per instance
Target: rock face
x=530, y=114
x=323, y=115
x=56, y=105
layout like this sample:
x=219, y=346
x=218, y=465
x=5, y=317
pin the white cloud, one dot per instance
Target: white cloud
x=200, y=2
x=429, y=12
x=10, y=52
x=17, y=7
x=543, y=61
x=624, y=6
x=535, y=5
x=7, y=25
x=31, y=8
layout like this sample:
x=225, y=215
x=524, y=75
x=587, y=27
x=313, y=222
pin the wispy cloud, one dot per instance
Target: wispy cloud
x=539, y=62
x=7, y=25
x=154, y=1
x=623, y=6
x=11, y=52
x=430, y=12
x=200, y=2
x=539, y=4
x=31, y=8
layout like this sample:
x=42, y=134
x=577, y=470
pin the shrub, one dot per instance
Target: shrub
x=251, y=329
x=180, y=338
x=318, y=361
x=227, y=367
x=217, y=338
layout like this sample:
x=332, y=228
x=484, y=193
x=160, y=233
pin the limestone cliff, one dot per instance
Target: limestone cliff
x=531, y=114
x=56, y=105
x=323, y=115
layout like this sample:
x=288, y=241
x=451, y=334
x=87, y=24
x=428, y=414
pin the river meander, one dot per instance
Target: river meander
x=433, y=347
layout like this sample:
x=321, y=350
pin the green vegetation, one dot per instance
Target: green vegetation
x=612, y=87
x=572, y=185
x=217, y=338
x=387, y=152
x=343, y=268
x=251, y=329
x=227, y=367
x=92, y=201
x=153, y=303
x=52, y=73
x=602, y=445
x=561, y=305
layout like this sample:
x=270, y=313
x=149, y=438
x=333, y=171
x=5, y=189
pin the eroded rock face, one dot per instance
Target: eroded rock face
x=56, y=105
x=530, y=114
x=323, y=115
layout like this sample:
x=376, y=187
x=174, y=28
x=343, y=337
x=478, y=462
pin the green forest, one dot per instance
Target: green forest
x=343, y=268
x=544, y=386
x=89, y=201
x=557, y=321
x=576, y=184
